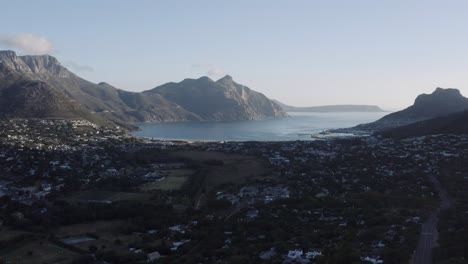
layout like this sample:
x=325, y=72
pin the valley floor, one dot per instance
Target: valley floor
x=74, y=193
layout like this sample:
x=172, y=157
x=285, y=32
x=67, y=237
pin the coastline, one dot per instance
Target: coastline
x=297, y=127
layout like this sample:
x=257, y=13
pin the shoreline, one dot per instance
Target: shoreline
x=310, y=137
x=297, y=127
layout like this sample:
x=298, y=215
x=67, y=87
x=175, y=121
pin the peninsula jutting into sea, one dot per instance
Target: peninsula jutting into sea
x=125, y=138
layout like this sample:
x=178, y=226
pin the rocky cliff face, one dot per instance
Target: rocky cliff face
x=441, y=102
x=33, y=66
x=66, y=94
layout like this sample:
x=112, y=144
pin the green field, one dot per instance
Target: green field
x=235, y=169
x=108, y=197
x=9, y=233
x=222, y=168
x=174, y=181
x=39, y=251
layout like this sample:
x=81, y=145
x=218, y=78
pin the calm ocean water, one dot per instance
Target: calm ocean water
x=265, y=130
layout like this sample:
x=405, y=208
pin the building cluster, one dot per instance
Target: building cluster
x=357, y=199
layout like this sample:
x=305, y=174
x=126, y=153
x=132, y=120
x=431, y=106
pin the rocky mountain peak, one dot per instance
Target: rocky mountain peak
x=9, y=60
x=40, y=65
x=228, y=82
x=205, y=79
x=447, y=91
x=7, y=54
x=226, y=78
x=439, y=103
x=43, y=63
x=440, y=95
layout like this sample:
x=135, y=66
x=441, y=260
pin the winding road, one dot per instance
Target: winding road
x=423, y=253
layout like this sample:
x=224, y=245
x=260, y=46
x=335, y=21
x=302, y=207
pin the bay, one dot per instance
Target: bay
x=294, y=127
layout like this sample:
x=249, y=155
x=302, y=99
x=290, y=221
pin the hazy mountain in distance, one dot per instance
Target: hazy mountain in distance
x=331, y=108
x=441, y=102
x=68, y=95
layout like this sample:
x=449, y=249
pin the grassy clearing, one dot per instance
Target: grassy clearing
x=40, y=251
x=126, y=196
x=108, y=197
x=93, y=227
x=236, y=169
x=174, y=181
x=7, y=233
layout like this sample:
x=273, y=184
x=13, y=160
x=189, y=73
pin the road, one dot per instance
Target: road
x=423, y=253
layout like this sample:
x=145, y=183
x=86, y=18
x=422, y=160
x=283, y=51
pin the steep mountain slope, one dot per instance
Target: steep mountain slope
x=22, y=95
x=451, y=124
x=220, y=100
x=426, y=106
x=67, y=95
x=331, y=108
x=36, y=99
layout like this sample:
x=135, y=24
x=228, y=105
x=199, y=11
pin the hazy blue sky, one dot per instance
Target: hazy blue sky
x=300, y=52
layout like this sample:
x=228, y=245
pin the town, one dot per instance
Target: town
x=75, y=192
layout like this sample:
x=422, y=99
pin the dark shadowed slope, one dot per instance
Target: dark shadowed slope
x=452, y=124
x=441, y=102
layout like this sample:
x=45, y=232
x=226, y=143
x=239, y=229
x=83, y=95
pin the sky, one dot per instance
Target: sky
x=301, y=52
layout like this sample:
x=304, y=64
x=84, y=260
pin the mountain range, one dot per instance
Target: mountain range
x=331, y=108
x=39, y=86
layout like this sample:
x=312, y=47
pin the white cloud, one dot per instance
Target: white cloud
x=211, y=70
x=27, y=43
x=215, y=72
x=78, y=67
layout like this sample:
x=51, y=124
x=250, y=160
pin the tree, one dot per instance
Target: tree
x=93, y=249
x=345, y=254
